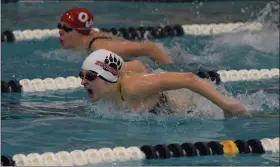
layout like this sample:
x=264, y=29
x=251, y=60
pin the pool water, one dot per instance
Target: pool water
x=66, y=119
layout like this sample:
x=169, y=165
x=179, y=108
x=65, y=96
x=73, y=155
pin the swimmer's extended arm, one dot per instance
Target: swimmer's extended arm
x=134, y=49
x=146, y=85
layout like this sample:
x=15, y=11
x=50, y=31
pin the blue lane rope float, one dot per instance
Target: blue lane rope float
x=133, y=153
x=139, y=33
x=72, y=82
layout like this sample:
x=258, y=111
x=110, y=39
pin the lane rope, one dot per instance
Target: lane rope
x=72, y=82
x=138, y=33
x=134, y=153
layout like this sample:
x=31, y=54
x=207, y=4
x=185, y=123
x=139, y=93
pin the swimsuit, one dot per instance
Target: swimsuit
x=94, y=39
x=162, y=101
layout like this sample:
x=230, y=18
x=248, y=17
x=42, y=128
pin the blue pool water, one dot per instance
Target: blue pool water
x=67, y=120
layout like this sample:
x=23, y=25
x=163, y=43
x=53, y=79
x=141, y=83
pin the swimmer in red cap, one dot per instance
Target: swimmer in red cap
x=76, y=31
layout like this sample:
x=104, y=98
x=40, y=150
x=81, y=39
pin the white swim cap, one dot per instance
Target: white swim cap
x=105, y=63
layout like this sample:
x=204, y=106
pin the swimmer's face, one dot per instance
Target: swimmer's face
x=94, y=85
x=67, y=36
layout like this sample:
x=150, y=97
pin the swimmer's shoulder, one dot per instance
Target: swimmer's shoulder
x=126, y=86
x=97, y=36
x=104, y=35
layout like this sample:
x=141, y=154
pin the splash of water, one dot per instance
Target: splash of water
x=266, y=40
x=269, y=16
x=202, y=108
x=261, y=102
x=244, y=48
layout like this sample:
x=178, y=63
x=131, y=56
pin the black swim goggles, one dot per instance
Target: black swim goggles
x=67, y=28
x=64, y=27
x=90, y=75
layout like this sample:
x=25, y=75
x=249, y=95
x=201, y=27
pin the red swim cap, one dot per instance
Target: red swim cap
x=79, y=19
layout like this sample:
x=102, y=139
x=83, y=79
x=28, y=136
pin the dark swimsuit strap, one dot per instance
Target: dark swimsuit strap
x=161, y=101
x=94, y=39
x=121, y=93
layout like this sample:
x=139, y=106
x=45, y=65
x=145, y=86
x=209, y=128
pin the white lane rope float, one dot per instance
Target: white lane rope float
x=132, y=33
x=265, y=146
x=72, y=82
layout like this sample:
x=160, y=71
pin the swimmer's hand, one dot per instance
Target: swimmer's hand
x=235, y=108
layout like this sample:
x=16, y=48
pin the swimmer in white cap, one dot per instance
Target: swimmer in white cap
x=76, y=32
x=102, y=77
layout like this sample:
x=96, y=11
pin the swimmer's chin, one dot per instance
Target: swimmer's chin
x=92, y=95
x=94, y=99
x=65, y=48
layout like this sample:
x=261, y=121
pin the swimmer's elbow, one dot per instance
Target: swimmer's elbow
x=158, y=54
x=149, y=48
x=149, y=45
x=190, y=78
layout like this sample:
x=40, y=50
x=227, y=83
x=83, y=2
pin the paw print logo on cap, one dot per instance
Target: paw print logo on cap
x=113, y=62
